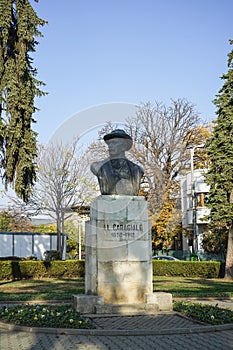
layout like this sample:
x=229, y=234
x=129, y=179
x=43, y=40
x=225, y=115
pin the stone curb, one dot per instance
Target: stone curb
x=114, y=332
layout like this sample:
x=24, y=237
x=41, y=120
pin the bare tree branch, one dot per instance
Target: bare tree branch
x=62, y=182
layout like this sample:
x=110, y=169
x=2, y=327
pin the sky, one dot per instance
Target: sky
x=96, y=52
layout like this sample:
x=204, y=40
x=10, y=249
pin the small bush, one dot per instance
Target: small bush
x=52, y=255
x=6, y=272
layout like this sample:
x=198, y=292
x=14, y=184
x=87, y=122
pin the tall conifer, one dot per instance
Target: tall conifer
x=19, y=25
x=220, y=174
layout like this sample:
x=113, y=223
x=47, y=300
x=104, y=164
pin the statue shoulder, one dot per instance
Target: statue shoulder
x=136, y=167
x=95, y=166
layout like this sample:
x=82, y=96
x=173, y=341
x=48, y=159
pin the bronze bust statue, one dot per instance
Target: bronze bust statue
x=117, y=175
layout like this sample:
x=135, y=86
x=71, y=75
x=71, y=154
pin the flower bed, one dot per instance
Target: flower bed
x=63, y=316
x=203, y=312
x=52, y=316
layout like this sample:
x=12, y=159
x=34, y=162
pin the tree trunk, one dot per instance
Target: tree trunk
x=58, y=234
x=62, y=235
x=229, y=257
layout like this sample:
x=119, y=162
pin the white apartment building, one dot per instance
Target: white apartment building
x=194, y=195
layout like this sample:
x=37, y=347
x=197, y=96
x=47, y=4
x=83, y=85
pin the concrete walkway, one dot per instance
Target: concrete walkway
x=162, y=331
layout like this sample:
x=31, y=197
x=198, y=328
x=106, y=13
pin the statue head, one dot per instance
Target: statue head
x=121, y=137
x=117, y=175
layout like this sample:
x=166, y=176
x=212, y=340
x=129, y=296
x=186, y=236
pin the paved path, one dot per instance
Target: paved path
x=165, y=331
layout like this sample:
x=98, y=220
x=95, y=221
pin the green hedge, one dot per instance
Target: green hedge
x=10, y=270
x=203, y=269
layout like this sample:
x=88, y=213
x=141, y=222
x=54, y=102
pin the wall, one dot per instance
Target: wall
x=25, y=244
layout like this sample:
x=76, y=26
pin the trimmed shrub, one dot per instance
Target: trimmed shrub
x=68, y=268
x=203, y=269
x=6, y=272
x=33, y=269
x=10, y=270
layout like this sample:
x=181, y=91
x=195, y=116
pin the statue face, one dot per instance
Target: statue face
x=116, y=146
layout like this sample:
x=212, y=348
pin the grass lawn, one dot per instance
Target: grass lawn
x=193, y=287
x=63, y=289
x=41, y=289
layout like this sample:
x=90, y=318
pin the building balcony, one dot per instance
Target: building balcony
x=200, y=186
x=200, y=214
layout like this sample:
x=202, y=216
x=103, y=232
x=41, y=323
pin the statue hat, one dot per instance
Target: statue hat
x=119, y=133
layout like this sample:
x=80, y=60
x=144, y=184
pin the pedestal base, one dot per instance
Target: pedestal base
x=154, y=302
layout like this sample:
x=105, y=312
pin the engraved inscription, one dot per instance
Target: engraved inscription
x=123, y=231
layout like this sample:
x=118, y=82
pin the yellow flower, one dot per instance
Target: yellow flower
x=35, y=318
x=71, y=320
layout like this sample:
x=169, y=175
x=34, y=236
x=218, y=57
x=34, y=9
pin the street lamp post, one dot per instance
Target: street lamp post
x=195, y=227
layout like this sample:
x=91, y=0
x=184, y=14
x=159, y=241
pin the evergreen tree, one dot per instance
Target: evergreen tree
x=18, y=84
x=220, y=174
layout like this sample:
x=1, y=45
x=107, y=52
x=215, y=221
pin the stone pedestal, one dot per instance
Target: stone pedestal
x=118, y=264
x=118, y=250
